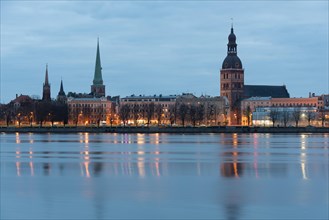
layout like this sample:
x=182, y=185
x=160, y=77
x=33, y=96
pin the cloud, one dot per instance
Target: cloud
x=161, y=47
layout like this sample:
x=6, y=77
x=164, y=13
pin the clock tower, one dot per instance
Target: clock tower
x=232, y=80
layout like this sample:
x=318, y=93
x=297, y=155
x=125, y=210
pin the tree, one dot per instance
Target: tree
x=247, y=113
x=124, y=114
x=296, y=114
x=285, y=117
x=182, y=112
x=322, y=116
x=158, y=112
x=149, y=112
x=274, y=115
x=41, y=112
x=74, y=113
x=135, y=112
x=173, y=113
x=193, y=114
x=200, y=113
x=310, y=115
x=6, y=113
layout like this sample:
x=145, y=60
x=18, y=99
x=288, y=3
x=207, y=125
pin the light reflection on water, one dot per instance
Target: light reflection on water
x=228, y=176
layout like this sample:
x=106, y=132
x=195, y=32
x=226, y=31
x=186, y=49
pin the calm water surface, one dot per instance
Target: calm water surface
x=150, y=176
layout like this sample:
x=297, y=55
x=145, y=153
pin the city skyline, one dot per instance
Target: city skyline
x=161, y=47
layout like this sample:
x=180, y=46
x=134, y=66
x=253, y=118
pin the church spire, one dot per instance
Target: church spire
x=97, y=88
x=98, y=80
x=46, y=77
x=46, y=87
x=61, y=90
x=232, y=46
x=61, y=97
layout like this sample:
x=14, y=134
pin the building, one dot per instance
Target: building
x=232, y=83
x=232, y=79
x=97, y=88
x=86, y=111
x=262, y=110
x=46, y=88
x=93, y=108
x=208, y=110
x=149, y=109
x=185, y=109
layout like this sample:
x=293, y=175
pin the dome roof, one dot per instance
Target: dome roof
x=232, y=62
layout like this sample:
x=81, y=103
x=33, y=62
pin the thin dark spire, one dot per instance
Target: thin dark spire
x=46, y=77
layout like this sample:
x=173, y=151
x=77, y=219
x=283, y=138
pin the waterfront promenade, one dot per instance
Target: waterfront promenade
x=151, y=129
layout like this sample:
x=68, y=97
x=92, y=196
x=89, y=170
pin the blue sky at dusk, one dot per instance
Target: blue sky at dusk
x=161, y=47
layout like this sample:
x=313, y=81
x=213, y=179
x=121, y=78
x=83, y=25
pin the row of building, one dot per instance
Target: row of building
x=238, y=104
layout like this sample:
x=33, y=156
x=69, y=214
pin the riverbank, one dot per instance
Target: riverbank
x=212, y=129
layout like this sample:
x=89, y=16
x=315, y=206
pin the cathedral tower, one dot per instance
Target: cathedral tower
x=97, y=88
x=232, y=79
x=46, y=88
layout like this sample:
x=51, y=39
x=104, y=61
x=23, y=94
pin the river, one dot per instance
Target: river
x=164, y=176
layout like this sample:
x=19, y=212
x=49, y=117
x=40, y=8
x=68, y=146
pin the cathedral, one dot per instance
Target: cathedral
x=232, y=83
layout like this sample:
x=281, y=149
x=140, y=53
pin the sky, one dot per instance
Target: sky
x=161, y=47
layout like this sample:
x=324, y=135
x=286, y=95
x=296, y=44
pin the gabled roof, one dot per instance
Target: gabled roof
x=263, y=90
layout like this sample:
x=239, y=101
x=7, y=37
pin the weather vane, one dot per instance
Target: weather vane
x=232, y=22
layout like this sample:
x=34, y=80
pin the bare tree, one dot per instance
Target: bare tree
x=296, y=114
x=42, y=111
x=274, y=115
x=135, y=112
x=182, y=112
x=247, y=113
x=74, y=114
x=193, y=114
x=310, y=115
x=124, y=113
x=285, y=117
x=200, y=113
x=173, y=109
x=149, y=112
x=322, y=116
x=158, y=112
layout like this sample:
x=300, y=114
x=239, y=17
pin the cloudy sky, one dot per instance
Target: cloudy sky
x=162, y=47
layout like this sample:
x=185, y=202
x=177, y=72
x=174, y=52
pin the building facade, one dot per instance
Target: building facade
x=262, y=110
x=89, y=111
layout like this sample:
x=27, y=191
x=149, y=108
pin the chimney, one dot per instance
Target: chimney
x=309, y=95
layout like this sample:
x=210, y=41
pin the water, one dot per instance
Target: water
x=152, y=176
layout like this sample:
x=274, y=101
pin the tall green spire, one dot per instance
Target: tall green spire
x=98, y=80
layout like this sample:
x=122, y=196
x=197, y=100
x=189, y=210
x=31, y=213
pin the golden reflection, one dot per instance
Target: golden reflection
x=18, y=140
x=302, y=165
x=140, y=138
x=141, y=166
x=156, y=163
x=18, y=154
x=86, y=162
x=303, y=156
x=18, y=168
x=157, y=138
x=256, y=154
x=86, y=138
x=32, y=168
